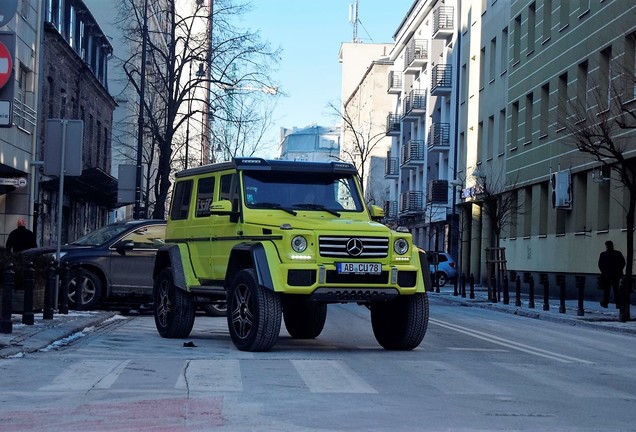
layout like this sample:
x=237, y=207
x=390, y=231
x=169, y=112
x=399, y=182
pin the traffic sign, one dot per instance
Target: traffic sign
x=6, y=65
x=7, y=10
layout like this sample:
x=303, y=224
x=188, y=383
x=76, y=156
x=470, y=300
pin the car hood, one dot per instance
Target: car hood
x=331, y=223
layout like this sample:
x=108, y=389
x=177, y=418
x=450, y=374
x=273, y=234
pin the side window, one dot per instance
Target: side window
x=205, y=192
x=229, y=190
x=148, y=237
x=181, y=200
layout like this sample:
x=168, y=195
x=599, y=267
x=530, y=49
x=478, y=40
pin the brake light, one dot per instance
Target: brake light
x=452, y=264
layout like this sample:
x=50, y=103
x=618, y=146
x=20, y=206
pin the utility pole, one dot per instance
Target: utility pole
x=206, y=141
x=140, y=127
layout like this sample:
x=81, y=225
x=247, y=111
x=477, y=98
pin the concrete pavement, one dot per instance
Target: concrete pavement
x=47, y=334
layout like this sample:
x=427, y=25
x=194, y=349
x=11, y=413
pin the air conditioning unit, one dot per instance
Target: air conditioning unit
x=561, y=190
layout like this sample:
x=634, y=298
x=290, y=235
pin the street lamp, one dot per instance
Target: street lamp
x=140, y=127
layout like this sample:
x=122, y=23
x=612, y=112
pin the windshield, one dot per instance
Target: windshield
x=294, y=191
x=101, y=235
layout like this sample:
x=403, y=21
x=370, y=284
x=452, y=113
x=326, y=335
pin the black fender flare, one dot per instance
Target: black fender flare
x=250, y=255
x=426, y=274
x=170, y=256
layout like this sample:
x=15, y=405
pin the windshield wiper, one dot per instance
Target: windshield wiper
x=317, y=207
x=269, y=205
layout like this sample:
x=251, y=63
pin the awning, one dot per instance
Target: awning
x=94, y=185
x=10, y=177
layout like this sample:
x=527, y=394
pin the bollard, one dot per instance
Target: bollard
x=561, y=284
x=493, y=282
x=472, y=286
x=506, y=293
x=531, y=292
x=463, y=285
x=546, y=291
x=63, y=300
x=49, y=292
x=580, y=287
x=8, y=278
x=79, y=295
x=518, y=291
x=29, y=282
x=455, y=293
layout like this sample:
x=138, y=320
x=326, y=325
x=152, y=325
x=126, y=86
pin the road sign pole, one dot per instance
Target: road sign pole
x=60, y=206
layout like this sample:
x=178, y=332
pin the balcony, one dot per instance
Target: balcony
x=412, y=154
x=391, y=167
x=411, y=202
x=441, y=80
x=416, y=57
x=443, y=22
x=395, y=82
x=390, y=209
x=414, y=105
x=393, y=124
x=437, y=192
x=439, y=137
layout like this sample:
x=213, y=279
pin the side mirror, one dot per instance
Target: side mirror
x=377, y=212
x=223, y=207
x=124, y=246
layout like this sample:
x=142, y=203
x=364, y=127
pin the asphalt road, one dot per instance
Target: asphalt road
x=477, y=369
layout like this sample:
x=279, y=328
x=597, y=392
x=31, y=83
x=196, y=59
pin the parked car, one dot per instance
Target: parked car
x=112, y=263
x=446, y=267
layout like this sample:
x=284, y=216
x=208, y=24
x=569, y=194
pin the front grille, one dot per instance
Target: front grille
x=336, y=247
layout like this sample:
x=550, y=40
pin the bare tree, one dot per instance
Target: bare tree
x=176, y=45
x=601, y=124
x=361, y=142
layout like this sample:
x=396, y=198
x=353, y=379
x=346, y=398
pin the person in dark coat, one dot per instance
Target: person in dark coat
x=21, y=238
x=611, y=264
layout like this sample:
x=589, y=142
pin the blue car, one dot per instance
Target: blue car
x=442, y=266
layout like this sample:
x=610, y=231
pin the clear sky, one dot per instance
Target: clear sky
x=310, y=33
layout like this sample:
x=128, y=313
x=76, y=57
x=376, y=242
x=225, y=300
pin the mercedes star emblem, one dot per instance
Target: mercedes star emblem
x=354, y=247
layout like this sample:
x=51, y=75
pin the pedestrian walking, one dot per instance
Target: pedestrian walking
x=21, y=238
x=611, y=264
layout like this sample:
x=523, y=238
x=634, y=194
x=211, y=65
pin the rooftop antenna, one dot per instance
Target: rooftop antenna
x=353, y=19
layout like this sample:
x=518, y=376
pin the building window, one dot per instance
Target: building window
x=580, y=202
x=604, y=79
x=630, y=66
x=564, y=14
x=545, y=110
x=514, y=213
x=527, y=212
x=584, y=7
x=516, y=42
x=480, y=142
x=603, y=207
x=544, y=208
x=532, y=25
x=504, y=50
x=514, y=126
x=23, y=107
x=482, y=68
x=547, y=20
x=501, y=139
x=493, y=59
x=529, y=115
x=581, y=88
x=464, y=89
x=491, y=137
x=562, y=101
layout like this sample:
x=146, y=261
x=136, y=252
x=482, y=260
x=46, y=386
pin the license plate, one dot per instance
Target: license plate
x=359, y=268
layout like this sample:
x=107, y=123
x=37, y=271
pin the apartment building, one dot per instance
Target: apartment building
x=421, y=160
x=568, y=61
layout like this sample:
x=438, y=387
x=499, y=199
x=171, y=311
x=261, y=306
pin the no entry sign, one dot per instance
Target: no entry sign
x=6, y=65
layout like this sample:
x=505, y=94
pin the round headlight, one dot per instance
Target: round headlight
x=400, y=246
x=299, y=244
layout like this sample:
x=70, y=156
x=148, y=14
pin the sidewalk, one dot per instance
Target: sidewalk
x=593, y=314
x=46, y=334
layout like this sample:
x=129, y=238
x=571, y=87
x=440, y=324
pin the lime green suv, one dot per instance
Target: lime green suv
x=282, y=240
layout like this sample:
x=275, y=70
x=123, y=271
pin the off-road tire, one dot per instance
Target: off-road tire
x=253, y=313
x=441, y=278
x=91, y=288
x=304, y=320
x=400, y=324
x=174, y=307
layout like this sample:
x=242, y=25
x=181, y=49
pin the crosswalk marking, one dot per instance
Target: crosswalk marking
x=554, y=380
x=330, y=376
x=451, y=380
x=88, y=374
x=211, y=375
